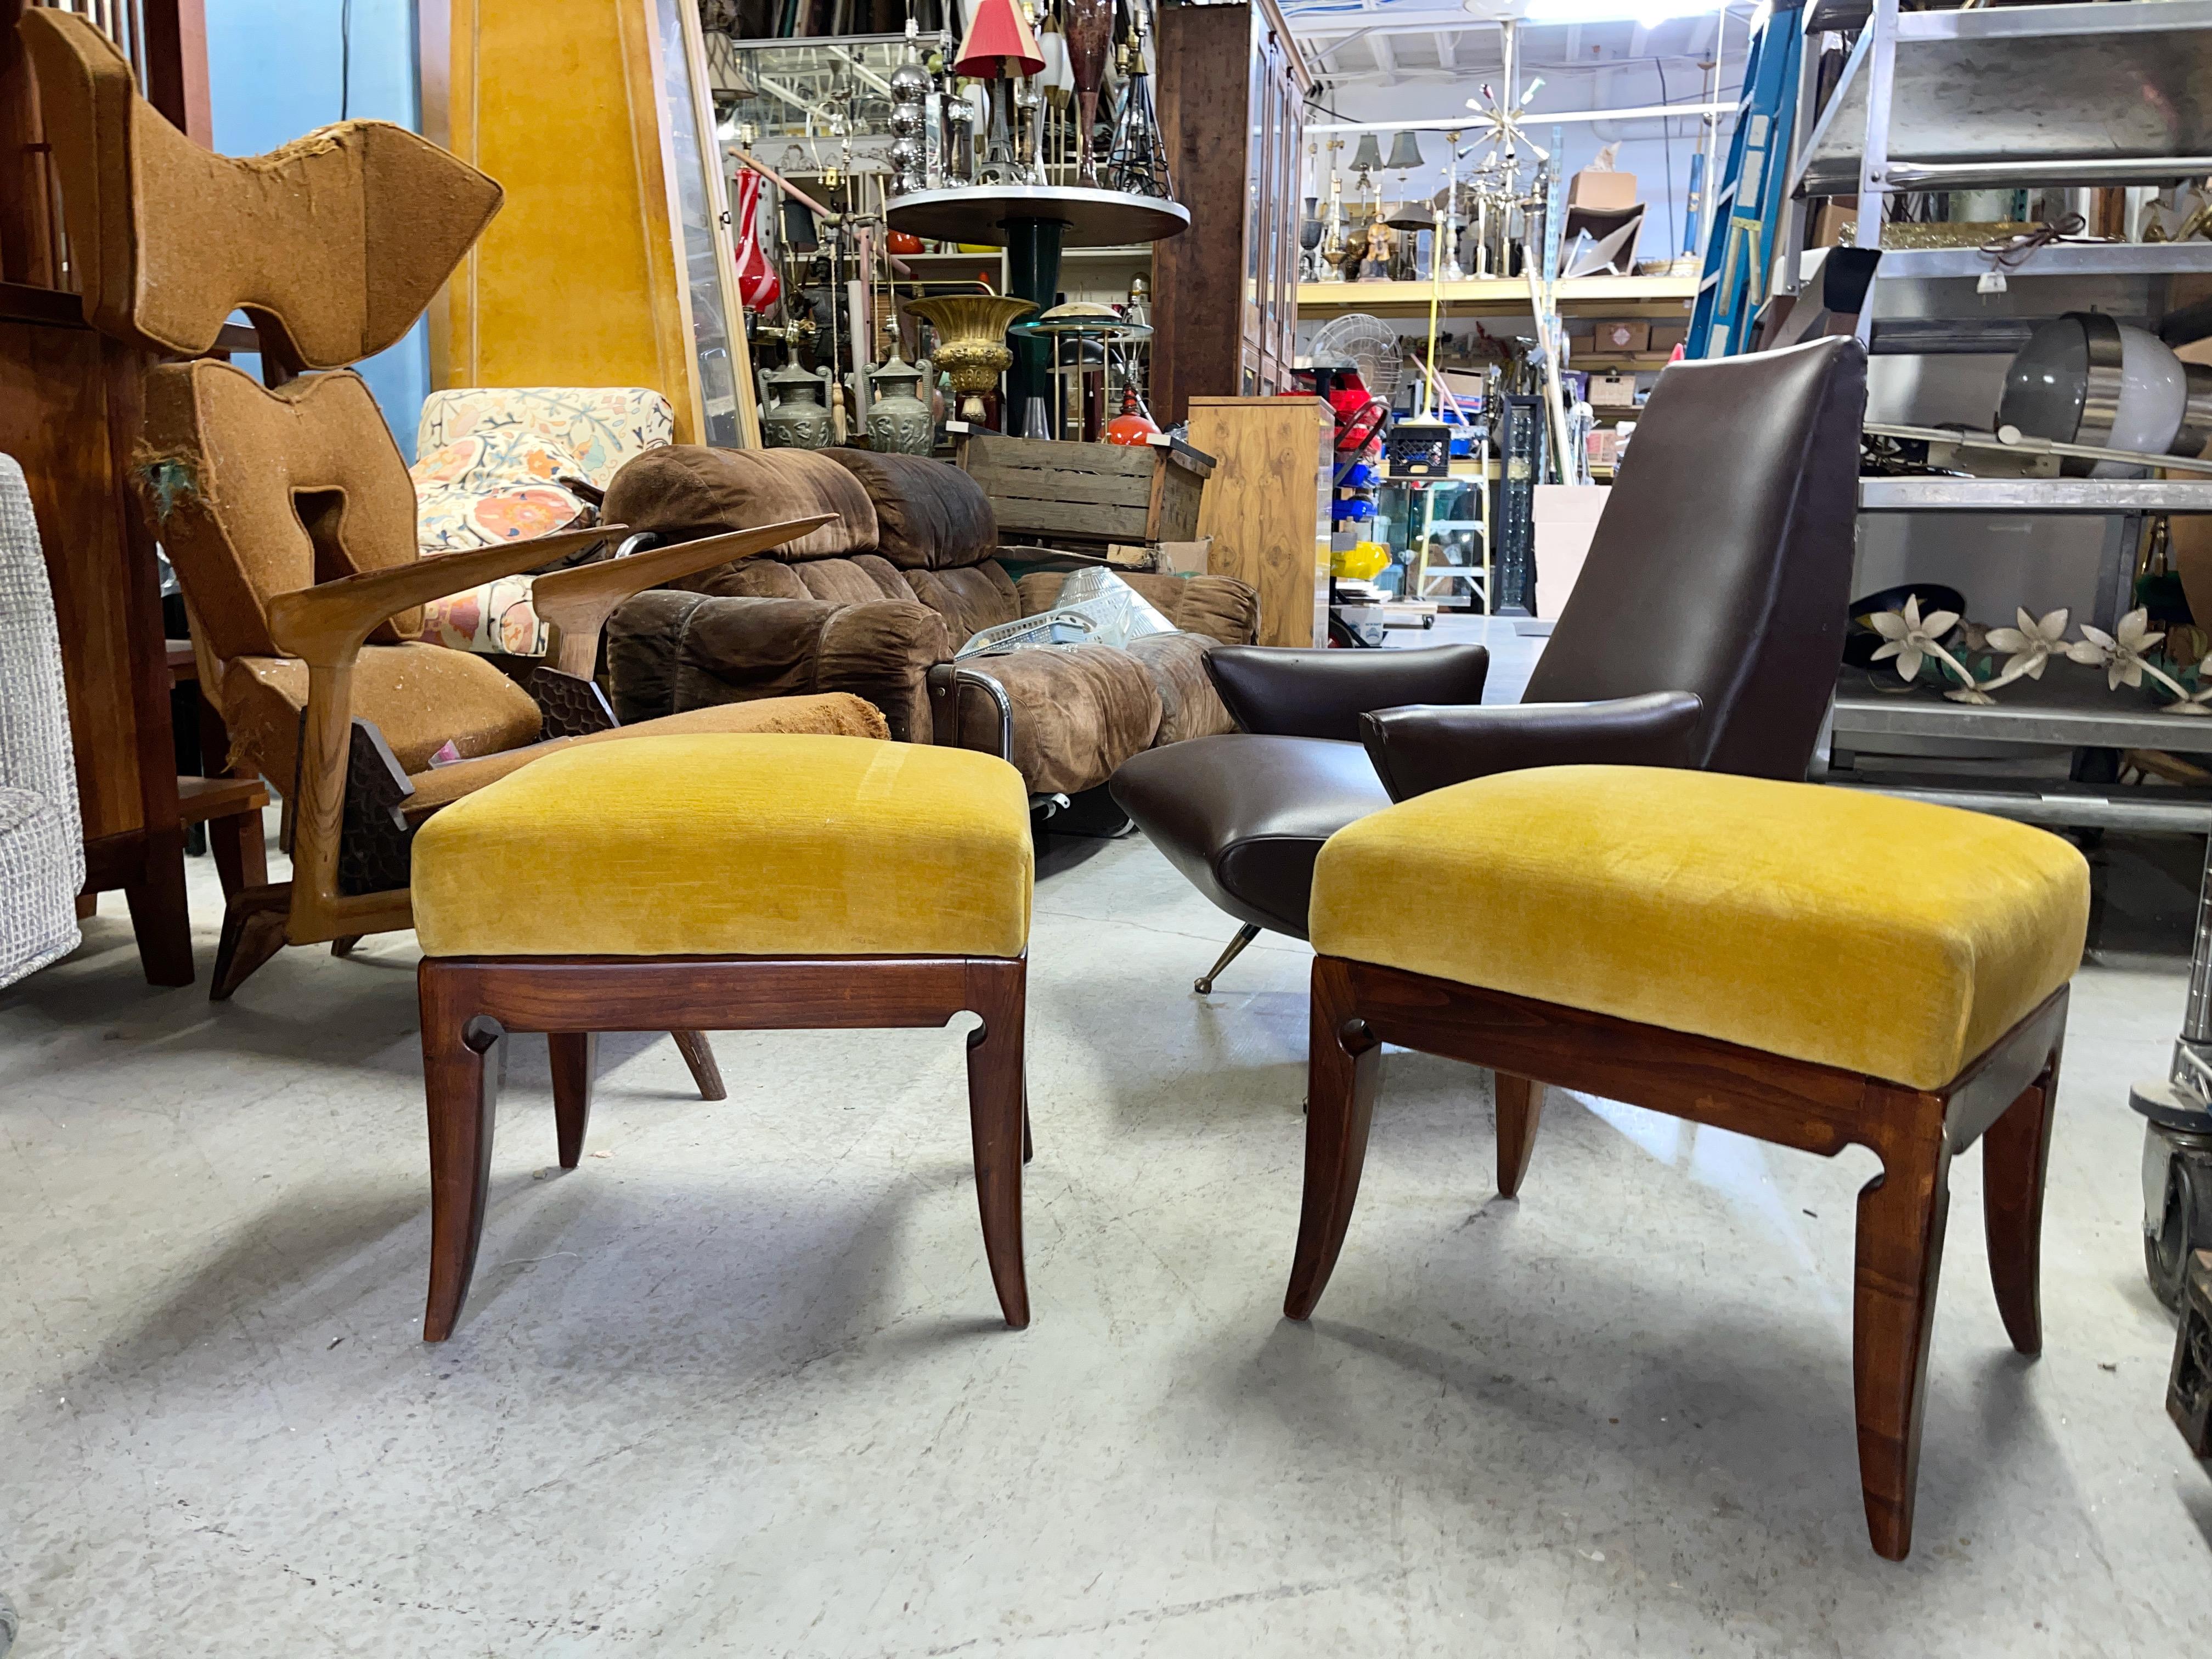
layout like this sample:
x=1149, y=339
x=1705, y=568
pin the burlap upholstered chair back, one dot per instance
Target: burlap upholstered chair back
x=333, y=244
x=260, y=493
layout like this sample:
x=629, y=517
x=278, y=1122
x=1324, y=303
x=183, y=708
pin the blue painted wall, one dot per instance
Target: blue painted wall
x=279, y=68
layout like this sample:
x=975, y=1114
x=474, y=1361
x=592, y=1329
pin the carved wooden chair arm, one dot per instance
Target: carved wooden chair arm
x=325, y=625
x=578, y=602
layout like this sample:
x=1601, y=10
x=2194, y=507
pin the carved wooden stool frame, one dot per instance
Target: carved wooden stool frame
x=470, y=1002
x=2003, y=1099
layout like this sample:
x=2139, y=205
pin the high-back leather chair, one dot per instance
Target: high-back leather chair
x=285, y=507
x=1703, y=632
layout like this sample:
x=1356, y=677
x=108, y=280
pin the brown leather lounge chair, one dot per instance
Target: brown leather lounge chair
x=1703, y=632
x=287, y=510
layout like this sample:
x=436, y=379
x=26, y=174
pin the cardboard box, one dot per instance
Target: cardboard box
x=1606, y=191
x=1186, y=558
x=1665, y=337
x=1566, y=517
x=1612, y=390
x=1617, y=337
x=1838, y=215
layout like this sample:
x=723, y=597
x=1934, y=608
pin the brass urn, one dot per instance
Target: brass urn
x=971, y=332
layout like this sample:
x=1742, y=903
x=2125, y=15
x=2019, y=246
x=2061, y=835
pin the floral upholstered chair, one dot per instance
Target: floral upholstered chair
x=508, y=463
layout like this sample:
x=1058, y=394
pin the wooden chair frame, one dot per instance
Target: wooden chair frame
x=326, y=626
x=470, y=1002
x=2004, y=1098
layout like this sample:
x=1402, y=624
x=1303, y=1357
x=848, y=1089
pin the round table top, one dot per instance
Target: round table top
x=1093, y=218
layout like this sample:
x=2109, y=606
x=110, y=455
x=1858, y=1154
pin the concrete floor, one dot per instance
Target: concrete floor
x=737, y=1385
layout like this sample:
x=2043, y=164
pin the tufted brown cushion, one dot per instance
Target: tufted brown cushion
x=847, y=582
x=978, y=597
x=930, y=515
x=1078, y=715
x=1189, y=706
x=684, y=491
x=668, y=651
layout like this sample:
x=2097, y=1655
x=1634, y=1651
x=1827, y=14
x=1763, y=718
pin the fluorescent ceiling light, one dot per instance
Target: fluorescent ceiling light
x=1649, y=13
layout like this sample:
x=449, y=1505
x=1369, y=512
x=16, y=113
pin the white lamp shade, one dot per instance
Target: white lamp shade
x=2154, y=398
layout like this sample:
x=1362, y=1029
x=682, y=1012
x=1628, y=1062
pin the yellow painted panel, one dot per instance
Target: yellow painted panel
x=575, y=283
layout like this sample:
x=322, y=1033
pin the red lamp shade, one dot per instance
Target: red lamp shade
x=997, y=32
x=1132, y=425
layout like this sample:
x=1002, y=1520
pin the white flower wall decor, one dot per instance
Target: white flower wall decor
x=1910, y=640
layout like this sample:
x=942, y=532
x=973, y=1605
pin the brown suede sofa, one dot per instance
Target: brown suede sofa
x=875, y=602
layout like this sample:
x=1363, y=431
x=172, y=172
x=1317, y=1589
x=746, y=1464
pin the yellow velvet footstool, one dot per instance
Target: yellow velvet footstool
x=1816, y=966
x=720, y=883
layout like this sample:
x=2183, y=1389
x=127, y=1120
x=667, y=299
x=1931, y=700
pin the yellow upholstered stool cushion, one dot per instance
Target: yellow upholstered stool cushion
x=732, y=845
x=1883, y=936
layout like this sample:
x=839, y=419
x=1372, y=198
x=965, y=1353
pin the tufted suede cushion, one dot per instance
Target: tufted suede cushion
x=667, y=651
x=971, y=599
x=686, y=491
x=1078, y=714
x=734, y=845
x=930, y=515
x=1885, y=937
x=1189, y=706
x=848, y=581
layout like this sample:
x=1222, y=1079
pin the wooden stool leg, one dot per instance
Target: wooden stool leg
x=462, y=1092
x=2016, y=1152
x=1900, y=1257
x=699, y=1054
x=576, y=1058
x=1344, y=1066
x=997, y=1091
x=1520, y=1108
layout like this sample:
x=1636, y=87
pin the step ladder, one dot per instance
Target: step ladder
x=1740, y=245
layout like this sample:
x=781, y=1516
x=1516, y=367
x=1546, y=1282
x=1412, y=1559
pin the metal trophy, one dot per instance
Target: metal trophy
x=959, y=138
x=1028, y=101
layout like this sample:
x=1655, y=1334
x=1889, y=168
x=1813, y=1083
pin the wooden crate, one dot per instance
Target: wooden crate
x=1084, y=496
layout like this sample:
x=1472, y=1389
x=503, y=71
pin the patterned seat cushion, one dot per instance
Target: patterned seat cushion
x=489, y=470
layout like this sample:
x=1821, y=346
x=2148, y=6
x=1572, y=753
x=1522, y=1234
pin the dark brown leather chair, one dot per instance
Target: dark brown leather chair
x=1703, y=632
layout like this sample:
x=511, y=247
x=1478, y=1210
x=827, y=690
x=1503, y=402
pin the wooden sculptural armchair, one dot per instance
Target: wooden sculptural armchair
x=287, y=510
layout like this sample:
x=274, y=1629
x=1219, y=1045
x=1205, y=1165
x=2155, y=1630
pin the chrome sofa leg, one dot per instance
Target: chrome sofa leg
x=1204, y=984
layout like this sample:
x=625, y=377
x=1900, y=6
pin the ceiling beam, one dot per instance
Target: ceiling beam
x=1385, y=59
x=1447, y=49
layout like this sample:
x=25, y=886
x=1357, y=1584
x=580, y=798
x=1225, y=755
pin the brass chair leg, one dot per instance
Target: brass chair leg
x=1203, y=983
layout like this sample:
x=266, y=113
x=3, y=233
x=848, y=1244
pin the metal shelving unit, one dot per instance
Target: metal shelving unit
x=1664, y=297
x=2041, y=96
